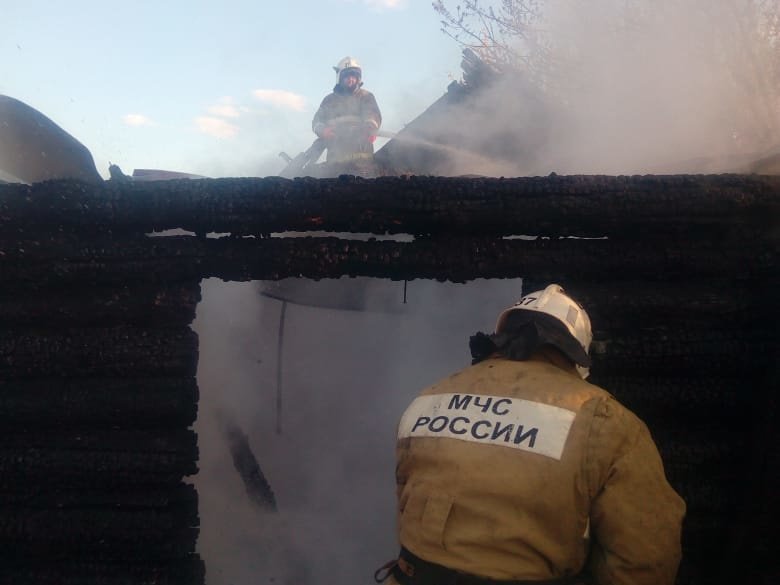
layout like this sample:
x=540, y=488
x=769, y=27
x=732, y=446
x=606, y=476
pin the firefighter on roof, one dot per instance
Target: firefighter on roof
x=348, y=120
x=515, y=470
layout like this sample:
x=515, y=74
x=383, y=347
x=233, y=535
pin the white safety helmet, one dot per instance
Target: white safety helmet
x=554, y=302
x=347, y=63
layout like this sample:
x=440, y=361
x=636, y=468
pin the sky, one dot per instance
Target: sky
x=220, y=89
x=217, y=89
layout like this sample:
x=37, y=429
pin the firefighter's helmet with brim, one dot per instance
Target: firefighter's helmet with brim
x=348, y=63
x=555, y=302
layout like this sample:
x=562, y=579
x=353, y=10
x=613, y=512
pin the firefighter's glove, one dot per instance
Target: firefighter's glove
x=369, y=130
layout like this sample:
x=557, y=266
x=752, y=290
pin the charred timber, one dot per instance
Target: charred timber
x=704, y=497
x=107, y=524
x=182, y=498
x=700, y=454
x=110, y=403
x=99, y=459
x=590, y=206
x=255, y=483
x=72, y=262
x=188, y=570
x=119, y=533
x=98, y=352
x=720, y=302
x=679, y=352
x=677, y=273
x=668, y=401
x=686, y=448
x=84, y=306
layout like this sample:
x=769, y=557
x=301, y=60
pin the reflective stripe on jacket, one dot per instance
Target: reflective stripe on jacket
x=521, y=470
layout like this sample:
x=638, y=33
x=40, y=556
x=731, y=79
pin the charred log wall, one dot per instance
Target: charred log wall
x=97, y=397
x=97, y=359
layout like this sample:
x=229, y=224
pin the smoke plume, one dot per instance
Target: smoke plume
x=347, y=377
x=624, y=87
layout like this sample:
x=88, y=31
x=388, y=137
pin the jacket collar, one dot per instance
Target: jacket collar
x=549, y=355
x=556, y=358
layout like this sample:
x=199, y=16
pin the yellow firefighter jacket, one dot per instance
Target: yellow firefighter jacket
x=520, y=470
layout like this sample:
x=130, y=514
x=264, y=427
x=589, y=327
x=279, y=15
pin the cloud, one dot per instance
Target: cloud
x=216, y=127
x=226, y=108
x=137, y=120
x=281, y=99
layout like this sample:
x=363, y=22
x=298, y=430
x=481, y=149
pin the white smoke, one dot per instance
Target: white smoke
x=653, y=87
x=347, y=377
x=629, y=86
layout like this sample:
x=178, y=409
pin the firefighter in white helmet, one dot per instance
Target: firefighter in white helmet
x=348, y=120
x=515, y=470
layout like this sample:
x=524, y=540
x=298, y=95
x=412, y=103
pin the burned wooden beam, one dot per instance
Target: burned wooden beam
x=723, y=302
x=674, y=352
x=668, y=401
x=108, y=532
x=106, y=261
x=82, y=306
x=244, y=461
x=88, y=571
x=97, y=352
x=589, y=206
x=114, y=403
x=95, y=459
x=96, y=359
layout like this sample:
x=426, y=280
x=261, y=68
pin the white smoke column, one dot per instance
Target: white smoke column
x=628, y=86
x=347, y=377
x=658, y=86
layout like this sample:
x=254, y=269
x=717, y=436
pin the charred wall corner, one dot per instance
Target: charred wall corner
x=98, y=360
